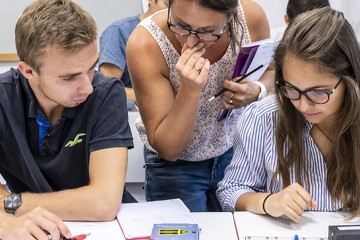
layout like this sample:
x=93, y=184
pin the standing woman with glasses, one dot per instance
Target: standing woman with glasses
x=177, y=60
x=305, y=154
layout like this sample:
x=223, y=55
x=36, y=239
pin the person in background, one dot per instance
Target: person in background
x=177, y=60
x=112, y=61
x=64, y=132
x=296, y=7
x=298, y=150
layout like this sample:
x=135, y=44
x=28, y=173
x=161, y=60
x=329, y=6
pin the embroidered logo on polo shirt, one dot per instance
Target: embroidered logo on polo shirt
x=76, y=140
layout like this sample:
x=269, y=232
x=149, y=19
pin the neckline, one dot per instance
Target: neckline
x=327, y=137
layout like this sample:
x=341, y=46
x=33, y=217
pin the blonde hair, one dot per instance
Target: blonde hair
x=45, y=23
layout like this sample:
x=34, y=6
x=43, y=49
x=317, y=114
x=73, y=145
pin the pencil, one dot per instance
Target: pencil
x=237, y=81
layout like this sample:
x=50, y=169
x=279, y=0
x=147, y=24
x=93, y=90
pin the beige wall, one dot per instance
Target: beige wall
x=104, y=13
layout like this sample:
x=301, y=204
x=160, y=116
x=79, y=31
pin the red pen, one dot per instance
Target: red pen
x=78, y=237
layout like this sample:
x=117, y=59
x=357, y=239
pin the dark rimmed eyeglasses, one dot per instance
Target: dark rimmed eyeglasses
x=313, y=95
x=204, y=36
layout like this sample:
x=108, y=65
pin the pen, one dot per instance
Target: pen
x=78, y=237
x=237, y=81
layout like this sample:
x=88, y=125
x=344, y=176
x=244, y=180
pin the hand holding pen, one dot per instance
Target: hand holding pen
x=37, y=223
x=237, y=81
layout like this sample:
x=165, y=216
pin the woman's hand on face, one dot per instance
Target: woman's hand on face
x=239, y=94
x=292, y=202
x=192, y=68
x=36, y=224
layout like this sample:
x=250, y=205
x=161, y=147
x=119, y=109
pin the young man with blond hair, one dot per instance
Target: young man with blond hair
x=64, y=132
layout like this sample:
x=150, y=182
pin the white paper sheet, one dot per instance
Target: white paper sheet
x=97, y=230
x=137, y=219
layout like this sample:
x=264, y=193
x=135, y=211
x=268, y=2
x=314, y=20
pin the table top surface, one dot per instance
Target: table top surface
x=214, y=226
x=312, y=224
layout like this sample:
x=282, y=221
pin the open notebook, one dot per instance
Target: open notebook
x=250, y=57
x=254, y=54
x=137, y=219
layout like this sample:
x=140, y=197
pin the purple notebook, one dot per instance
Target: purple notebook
x=244, y=60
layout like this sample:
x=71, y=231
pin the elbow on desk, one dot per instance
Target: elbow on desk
x=104, y=211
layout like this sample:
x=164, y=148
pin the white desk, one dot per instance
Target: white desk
x=312, y=225
x=2, y=180
x=97, y=230
x=216, y=225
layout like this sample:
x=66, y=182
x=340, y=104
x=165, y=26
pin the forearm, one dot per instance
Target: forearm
x=251, y=202
x=4, y=218
x=98, y=201
x=81, y=204
x=175, y=131
x=130, y=95
x=111, y=70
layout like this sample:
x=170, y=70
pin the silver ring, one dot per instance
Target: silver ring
x=49, y=237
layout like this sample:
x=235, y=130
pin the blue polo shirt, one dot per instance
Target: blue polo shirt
x=113, y=45
x=61, y=161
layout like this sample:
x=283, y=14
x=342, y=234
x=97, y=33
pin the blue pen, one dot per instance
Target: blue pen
x=296, y=237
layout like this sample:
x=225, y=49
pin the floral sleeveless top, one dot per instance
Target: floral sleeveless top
x=211, y=137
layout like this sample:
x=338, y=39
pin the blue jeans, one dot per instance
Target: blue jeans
x=127, y=197
x=195, y=183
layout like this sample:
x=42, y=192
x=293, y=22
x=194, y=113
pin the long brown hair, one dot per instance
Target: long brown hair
x=325, y=38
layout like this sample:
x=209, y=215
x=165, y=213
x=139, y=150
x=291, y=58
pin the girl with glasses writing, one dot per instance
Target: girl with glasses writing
x=299, y=150
x=178, y=59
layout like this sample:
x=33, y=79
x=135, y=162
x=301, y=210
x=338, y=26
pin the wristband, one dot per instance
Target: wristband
x=263, y=205
x=263, y=91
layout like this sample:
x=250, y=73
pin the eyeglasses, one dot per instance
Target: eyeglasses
x=313, y=95
x=204, y=36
